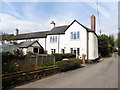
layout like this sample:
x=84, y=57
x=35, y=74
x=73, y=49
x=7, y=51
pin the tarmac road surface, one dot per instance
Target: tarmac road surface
x=100, y=75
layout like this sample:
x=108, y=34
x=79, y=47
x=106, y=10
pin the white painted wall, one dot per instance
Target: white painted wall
x=19, y=41
x=25, y=51
x=80, y=43
x=51, y=45
x=66, y=43
x=93, y=46
x=40, y=40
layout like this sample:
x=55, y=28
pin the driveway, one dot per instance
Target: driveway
x=100, y=75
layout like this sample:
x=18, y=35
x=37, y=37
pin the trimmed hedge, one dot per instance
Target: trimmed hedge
x=70, y=64
x=59, y=57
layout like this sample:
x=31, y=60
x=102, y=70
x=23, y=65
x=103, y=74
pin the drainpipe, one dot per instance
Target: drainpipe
x=87, y=45
x=45, y=43
x=58, y=42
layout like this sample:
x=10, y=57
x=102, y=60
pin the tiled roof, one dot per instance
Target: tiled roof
x=30, y=35
x=26, y=44
x=55, y=30
x=58, y=30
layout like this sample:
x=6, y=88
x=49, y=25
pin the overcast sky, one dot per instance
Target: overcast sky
x=36, y=16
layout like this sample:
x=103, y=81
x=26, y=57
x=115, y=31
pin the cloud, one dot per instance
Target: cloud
x=9, y=23
x=10, y=9
x=37, y=16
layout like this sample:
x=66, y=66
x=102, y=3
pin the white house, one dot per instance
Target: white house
x=74, y=38
x=27, y=46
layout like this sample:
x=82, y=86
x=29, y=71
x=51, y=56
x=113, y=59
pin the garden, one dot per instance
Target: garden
x=13, y=75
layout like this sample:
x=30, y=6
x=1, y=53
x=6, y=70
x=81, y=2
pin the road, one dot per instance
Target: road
x=100, y=75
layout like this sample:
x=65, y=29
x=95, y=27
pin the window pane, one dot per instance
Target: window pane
x=78, y=51
x=74, y=35
x=50, y=39
x=78, y=35
x=55, y=38
x=71, y=36
x=71, y=50
x=54, y=50
x=35, y=50
x=74, y=51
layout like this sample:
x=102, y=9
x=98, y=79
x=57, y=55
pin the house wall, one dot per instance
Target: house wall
x=80, y=43
x=19, y=41
x=51, y=45
x=40, y=40
x=93, y=46
x=66, y=43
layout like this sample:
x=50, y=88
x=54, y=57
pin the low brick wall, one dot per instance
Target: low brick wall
x=11, y=80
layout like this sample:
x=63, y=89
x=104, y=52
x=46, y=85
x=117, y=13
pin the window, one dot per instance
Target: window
x=53, y=51
x=78, y=35
x=71, y=35
x=78, y=51
x=75, y=51
x=35, y=50
x=41, y=51
x=71, y=50
x=63, y=50
x=53, y=39
x=75, y=35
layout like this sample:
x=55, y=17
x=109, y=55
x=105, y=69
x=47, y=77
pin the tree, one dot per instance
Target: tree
x=103, y=45
x=111, y=44
x=118, y=43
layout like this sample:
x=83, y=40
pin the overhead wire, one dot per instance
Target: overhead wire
x=99, y=23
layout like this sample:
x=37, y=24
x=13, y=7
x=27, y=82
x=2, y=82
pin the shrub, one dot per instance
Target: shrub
x=18, y=52
x=29, y=53
x=59, y=57
x=70, y=64
x=7, y=67
x=88, y=61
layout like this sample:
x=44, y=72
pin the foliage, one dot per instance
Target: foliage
x=59, y=57
x=70, y=64
x=18, y=52
x=29, y=53
x=7, y=67
x=106, y=45
x=111, y=45
x=50, y=64
x=88, y=61
x=11, y=80
x=45, y=51
x=118, y=44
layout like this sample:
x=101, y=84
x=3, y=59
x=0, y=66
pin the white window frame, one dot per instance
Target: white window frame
x=75, y=35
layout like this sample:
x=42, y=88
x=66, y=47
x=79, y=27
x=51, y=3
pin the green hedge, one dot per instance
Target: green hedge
x=70, y=64
x=59, y=57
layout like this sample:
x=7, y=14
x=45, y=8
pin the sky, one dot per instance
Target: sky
x=36, y=16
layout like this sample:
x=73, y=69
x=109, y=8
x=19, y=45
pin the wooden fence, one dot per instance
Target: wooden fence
x=32, y=62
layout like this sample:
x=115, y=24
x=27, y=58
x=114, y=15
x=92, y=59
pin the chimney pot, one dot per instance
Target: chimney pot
x=16, y=32
x=52, y=24
x=93, y=23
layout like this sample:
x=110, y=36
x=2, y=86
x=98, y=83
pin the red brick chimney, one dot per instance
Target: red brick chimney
x=93, y=23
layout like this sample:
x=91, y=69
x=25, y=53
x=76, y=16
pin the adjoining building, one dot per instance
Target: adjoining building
x=74, y=38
